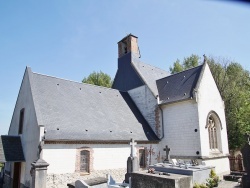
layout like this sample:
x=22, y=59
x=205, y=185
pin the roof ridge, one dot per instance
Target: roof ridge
x=75, y=81
x=150, y=65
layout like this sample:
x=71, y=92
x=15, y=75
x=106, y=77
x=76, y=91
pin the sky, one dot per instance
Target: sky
x=72, y=38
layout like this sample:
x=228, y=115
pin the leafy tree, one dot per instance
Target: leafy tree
x=187, y=63
x=177, y=67
x=233, y=83
x=192, y=61
x=99, y=79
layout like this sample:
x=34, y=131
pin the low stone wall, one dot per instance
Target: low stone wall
x=61, y=180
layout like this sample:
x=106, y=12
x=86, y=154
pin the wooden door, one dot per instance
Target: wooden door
x=16, y=175
x=84, y=163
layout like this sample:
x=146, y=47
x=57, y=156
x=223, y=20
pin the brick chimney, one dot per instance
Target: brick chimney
x=128, y=44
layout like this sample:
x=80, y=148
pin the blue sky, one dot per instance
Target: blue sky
x=72, y=38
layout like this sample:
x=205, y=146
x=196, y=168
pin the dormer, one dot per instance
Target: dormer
x=128, y=44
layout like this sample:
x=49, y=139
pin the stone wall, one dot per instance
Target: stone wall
x=147, y=104
x=31, y=130
x=61, y=180
x=63, y=158
x=180, y=122
x=209, y=99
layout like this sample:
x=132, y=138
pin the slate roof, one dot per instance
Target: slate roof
x=11, y=149
x=77, y=111
x=126, y=77
x=149, y=74
x=133, y=73
x=178, y=86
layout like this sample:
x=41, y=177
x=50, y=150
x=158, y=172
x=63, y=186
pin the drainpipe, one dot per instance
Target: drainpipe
x=195, y=95
x=162, y=120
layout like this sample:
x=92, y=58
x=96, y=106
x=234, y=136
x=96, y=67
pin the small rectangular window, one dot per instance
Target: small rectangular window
x=21, y=120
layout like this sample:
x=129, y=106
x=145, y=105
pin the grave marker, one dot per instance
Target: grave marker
x=167, y=149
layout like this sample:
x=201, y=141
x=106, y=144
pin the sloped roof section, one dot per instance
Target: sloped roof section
x=149, y=74
x=11, y=149
x=126, y=77
x=178, y=86
x=76, y=111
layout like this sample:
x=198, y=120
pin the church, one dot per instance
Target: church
x=83, y=128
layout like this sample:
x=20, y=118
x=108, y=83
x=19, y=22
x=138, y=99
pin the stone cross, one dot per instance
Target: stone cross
x=133, y=143
x=40, y=148
x=167, y=149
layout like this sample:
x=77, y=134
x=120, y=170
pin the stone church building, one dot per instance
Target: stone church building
x=84, y=128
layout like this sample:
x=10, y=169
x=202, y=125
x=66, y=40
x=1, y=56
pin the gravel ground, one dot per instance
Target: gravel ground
x=58, y=180
x=229, y=184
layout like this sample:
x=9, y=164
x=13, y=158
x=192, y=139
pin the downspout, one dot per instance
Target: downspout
x=162, y=120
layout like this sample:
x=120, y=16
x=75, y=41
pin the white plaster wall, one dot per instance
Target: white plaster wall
x=30, y=135
x=221, y=165
x=209, y=99
x=62, y=157
x=180, y=121
x=146, y=103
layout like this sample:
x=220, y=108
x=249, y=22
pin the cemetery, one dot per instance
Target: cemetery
x=171, y=173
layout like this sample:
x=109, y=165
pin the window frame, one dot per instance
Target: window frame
x=144, y=161
x=21, y=121
x=214, y=127
x=78, y=160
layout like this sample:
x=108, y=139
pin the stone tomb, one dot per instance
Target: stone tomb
x=198, y=173
x=143, y=179
x=98, y=182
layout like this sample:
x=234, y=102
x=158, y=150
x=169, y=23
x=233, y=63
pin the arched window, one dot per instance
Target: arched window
x=214, y=131
x=84, y=161
x=213, y=143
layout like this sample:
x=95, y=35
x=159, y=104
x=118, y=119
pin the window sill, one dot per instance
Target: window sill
x=214, y=152
x=84, y=173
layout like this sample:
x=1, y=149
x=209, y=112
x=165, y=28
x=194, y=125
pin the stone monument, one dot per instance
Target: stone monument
x=39, y=169
x=246, y=161
x=132, y=162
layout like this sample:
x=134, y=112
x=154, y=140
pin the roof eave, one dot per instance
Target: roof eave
x=162, y=103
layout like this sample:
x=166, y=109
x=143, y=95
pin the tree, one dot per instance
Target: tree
x=233, y=83
x=177, y=67
x=187, y=63
x=99, y=79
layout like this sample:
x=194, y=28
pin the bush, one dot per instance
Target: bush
x=213, y=180
x=197, y=185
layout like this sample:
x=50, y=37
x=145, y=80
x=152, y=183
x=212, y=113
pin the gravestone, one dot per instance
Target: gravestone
x=39, y=173
x=167, y=149
x=39, y=169
x=98, y=182
x=132, y=162
x=246, y=161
